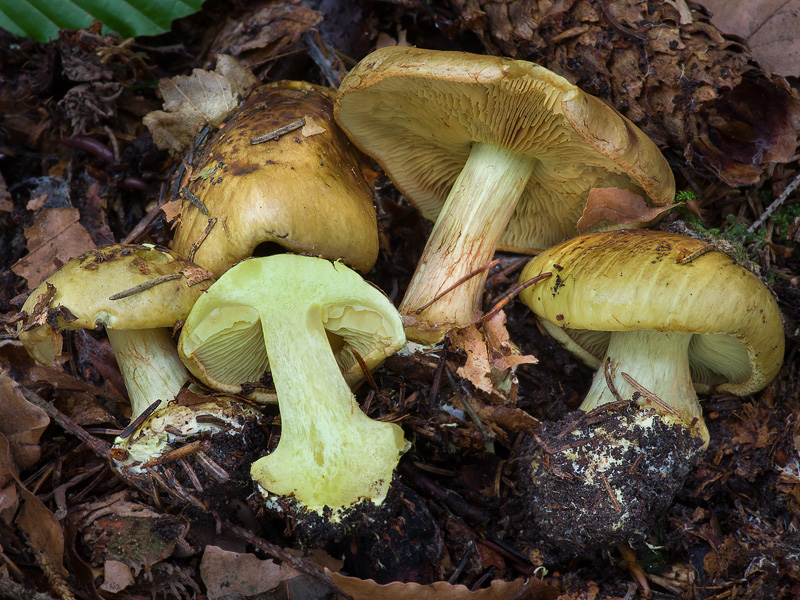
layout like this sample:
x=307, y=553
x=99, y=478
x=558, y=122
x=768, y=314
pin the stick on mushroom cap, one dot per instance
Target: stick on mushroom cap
x=501, y=153
x=287, y=308
x=303, y=190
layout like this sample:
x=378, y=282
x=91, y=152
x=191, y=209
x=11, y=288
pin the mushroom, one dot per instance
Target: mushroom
x=302, y=190
x=138, y=292
x=285, y=309
x=658, y=315
x=500, y=153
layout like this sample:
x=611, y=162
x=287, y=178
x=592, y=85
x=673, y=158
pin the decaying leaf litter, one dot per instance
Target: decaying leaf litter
x=80, y=171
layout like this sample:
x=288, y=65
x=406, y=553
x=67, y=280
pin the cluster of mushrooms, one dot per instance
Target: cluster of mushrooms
x=500, y=154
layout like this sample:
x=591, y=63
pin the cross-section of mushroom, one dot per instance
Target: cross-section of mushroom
x=304, y=320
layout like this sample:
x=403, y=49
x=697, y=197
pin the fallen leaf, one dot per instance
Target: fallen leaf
x=476, y=368
x=41, y=528
x=361, y=589
x=503, y=353
x=311, y=127
x=192, y=101
x=769, y=26
x=617, y=206
x=54, y=238
x=172, y=210
x=116, y=576
x=21, y=422
x=231, y=573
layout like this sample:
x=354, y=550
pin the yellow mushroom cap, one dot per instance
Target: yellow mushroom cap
x=418, y=112
x=86, y=285
x=653, y=280
x=304, y=191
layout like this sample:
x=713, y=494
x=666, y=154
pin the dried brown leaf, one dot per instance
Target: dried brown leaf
x=230, y=573
x=192, y=101
x=769, y=26
x=617, y=207
x=55, y=237
x=503, y=353
x=40, y=526
x=476, y=368
x=21, y=422
x=116, y=576
x=361, y=589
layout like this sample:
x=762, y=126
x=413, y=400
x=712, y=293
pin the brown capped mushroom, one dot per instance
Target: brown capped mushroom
x=301, y=191
x=657, y=314
x=500, y=153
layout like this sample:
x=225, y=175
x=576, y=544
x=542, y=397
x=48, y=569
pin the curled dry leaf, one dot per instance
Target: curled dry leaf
x=55, y=237
x=192, y=101
x=490, y=354
x=230, y=573
x=607, y=207
x=361, y=589
x=21, y=422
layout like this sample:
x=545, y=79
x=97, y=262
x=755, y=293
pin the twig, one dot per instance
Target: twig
x=611, y=495
x=137, y=422
x=281, y=554
x=202, y=238
x=464, y=279
x=194, y=200
x=365, y=370
x=145, y=286
x=274, y=135
x=506, y=298
x=776, y=204
x=99, y=447
x=649, y=395
x=437, y=376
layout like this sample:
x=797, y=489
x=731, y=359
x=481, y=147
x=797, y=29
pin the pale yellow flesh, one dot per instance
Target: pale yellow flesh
x=330, y=453
x=464, y=239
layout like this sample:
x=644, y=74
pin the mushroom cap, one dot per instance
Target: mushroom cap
x=654, y=280
x=84, y=287
x=222, y=342
x=304, y=191
x=418, y=112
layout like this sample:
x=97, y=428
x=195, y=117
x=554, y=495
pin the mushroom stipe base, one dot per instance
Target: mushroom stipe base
x=603, y=483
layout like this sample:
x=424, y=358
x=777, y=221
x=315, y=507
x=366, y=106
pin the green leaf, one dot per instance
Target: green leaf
x=42, y=19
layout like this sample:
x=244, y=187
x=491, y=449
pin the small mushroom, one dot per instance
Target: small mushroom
x=301, y=191
x=283, y=312
x=658, y=315
x=138, y=293
x=500, y=153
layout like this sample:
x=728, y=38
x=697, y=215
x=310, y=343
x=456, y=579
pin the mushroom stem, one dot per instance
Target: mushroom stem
x=659, y=362
x=317, y=460
x=464, y=238
x=149, y=362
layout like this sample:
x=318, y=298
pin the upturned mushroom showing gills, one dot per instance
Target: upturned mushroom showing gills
x=138, y=293
x=301, y=189
x=500, y=153
x=658, y=315
x=283, y=312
